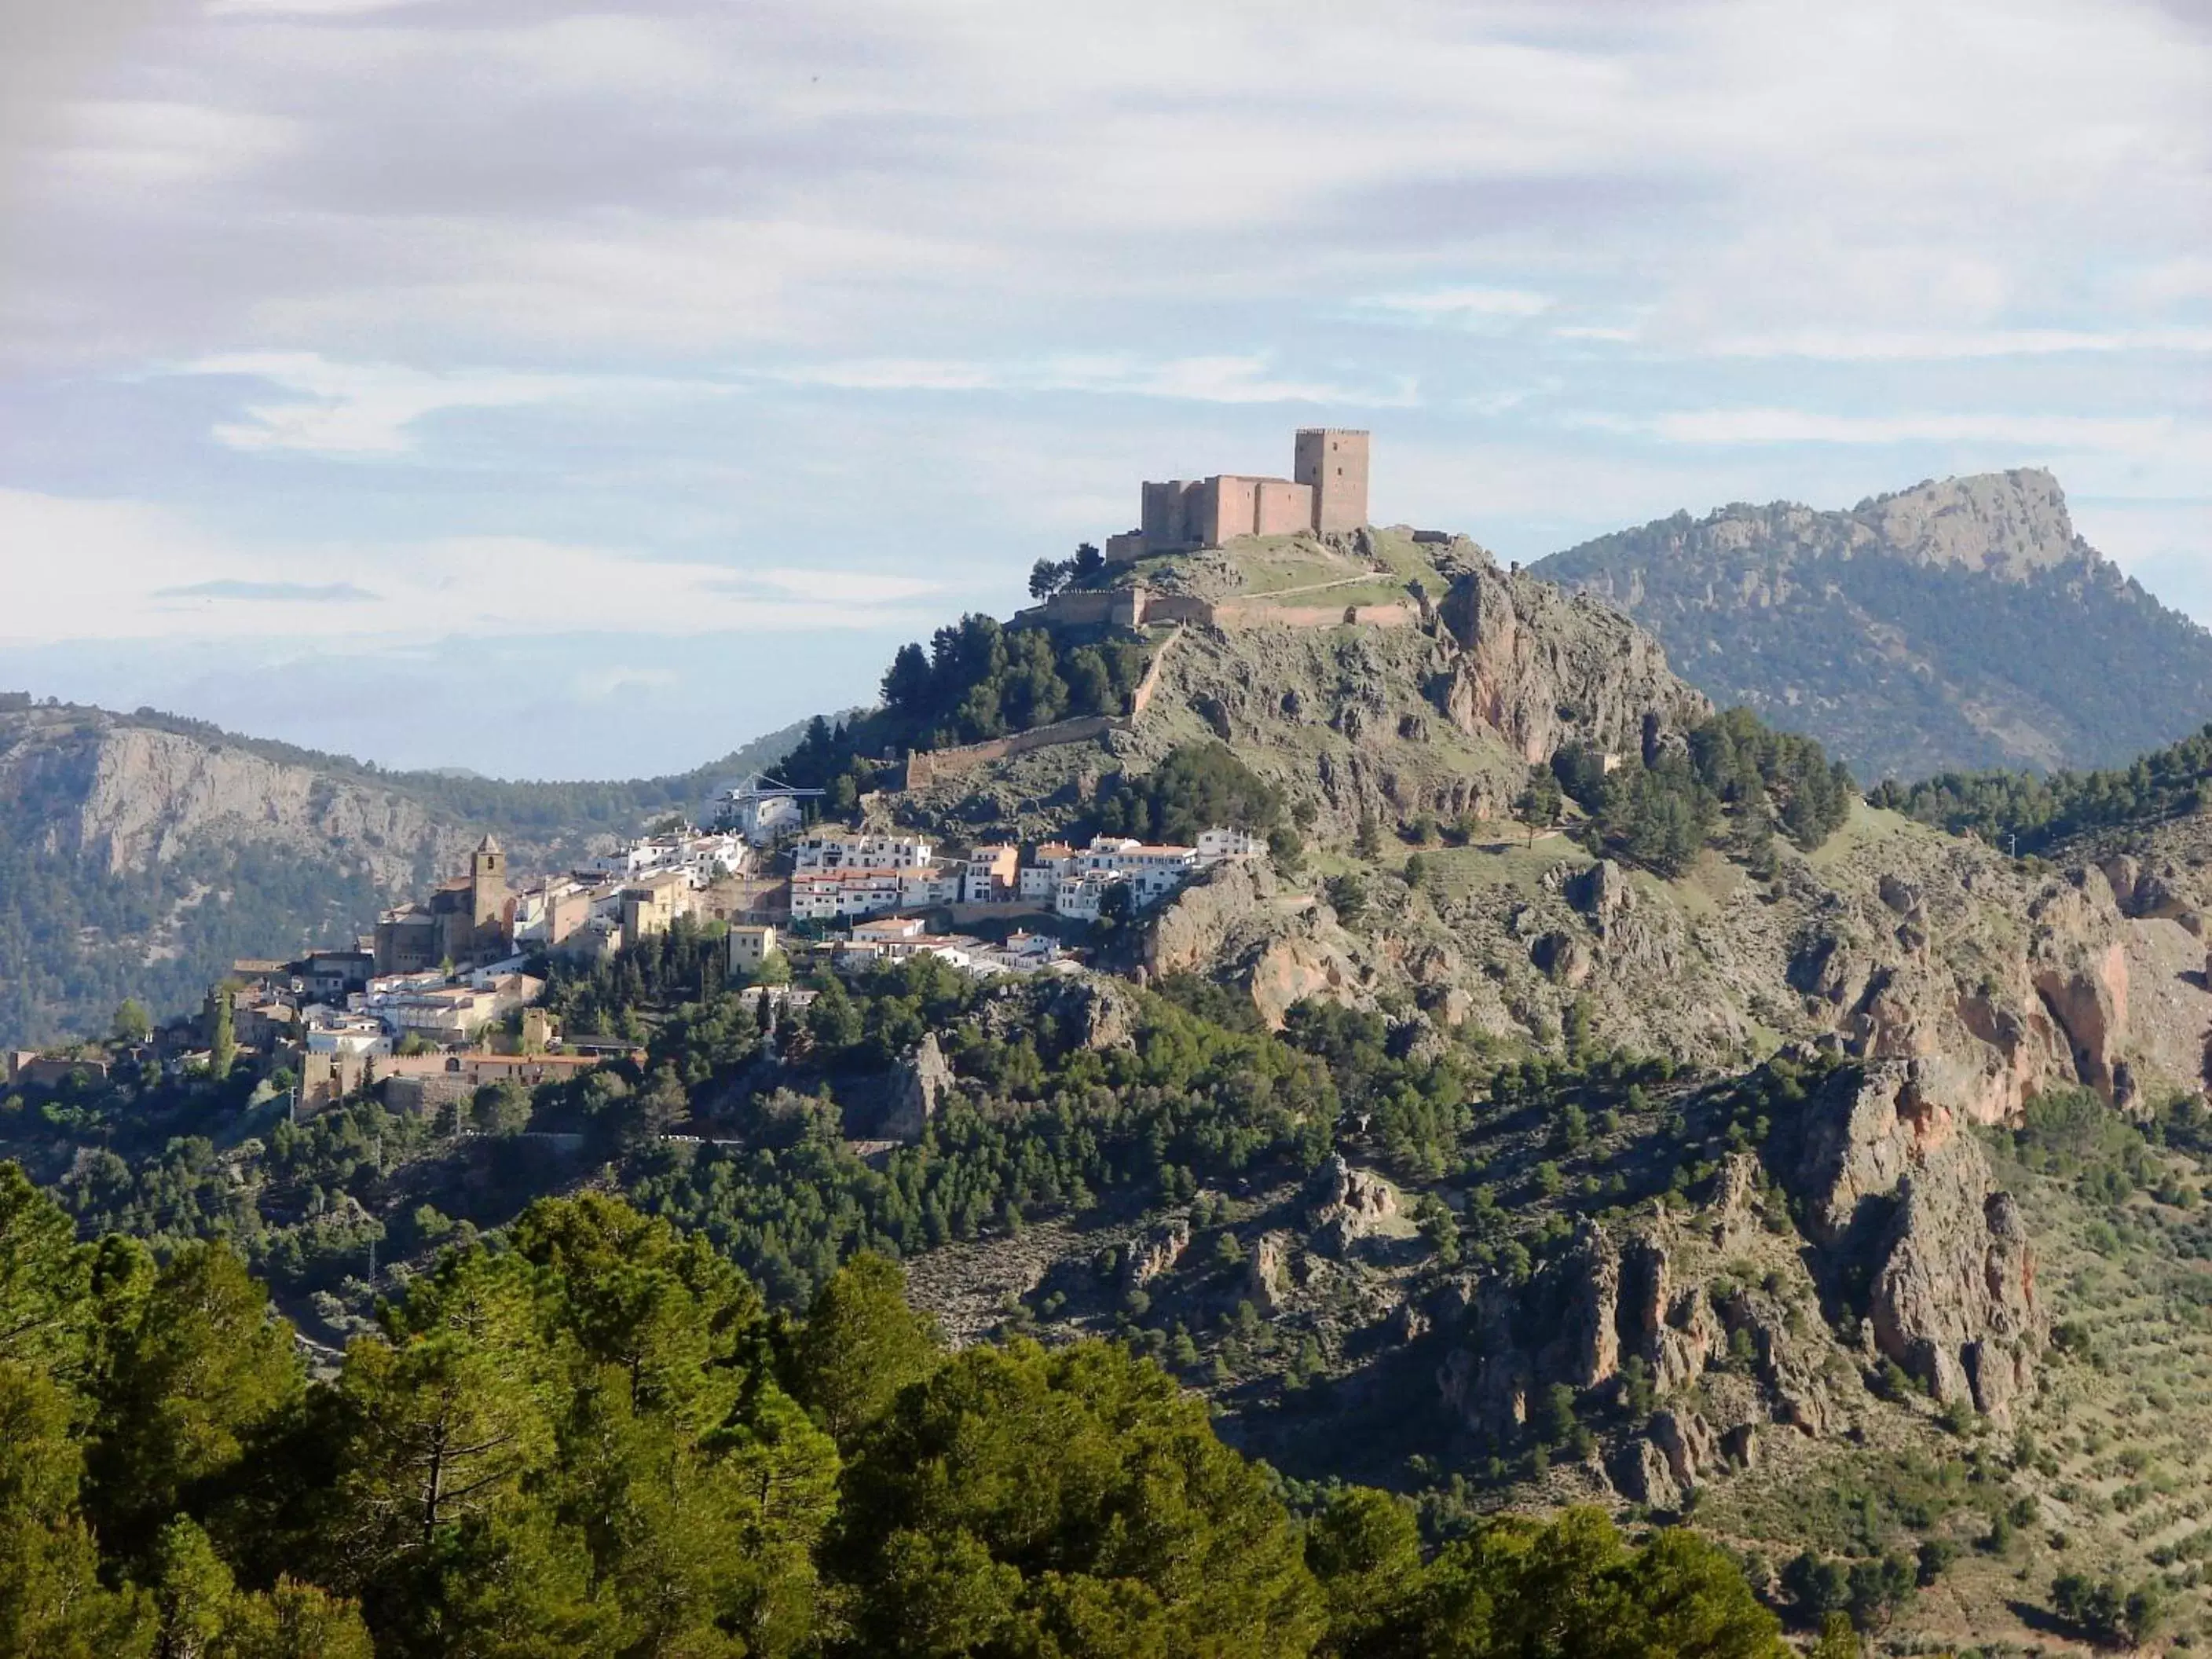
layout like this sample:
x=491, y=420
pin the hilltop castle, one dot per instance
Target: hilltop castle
x=1326, y=495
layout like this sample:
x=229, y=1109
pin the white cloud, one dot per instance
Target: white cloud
x=115, y=570
x=1469, y=307
x=1248, y=379
x=1936, y=345
x=372, y=408
x=2139, y=435
x=847, y=587
x=142, y=145
x=360, y=409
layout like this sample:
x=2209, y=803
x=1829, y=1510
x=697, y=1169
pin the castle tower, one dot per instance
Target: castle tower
x=1333, y=461
x=488, y=885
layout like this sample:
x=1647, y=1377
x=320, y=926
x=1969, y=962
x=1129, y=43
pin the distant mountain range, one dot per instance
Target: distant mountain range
x=1954, y=625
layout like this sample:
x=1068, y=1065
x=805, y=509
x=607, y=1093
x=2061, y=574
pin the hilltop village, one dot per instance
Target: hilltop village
x=440, y=999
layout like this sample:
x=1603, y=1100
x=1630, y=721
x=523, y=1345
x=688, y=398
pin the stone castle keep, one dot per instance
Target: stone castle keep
x=1326, y=495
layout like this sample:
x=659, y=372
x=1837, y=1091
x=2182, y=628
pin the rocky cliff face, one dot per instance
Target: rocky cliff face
x=2005, y=524
x=1536, y=668
x=1895, y=1194
x=140, y=861
x=126, y=797
x=1656, y=1308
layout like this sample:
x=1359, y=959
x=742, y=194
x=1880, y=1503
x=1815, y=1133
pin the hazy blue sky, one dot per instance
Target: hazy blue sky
x=557, y=390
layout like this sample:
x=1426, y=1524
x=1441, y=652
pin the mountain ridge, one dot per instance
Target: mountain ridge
x=1957, y=625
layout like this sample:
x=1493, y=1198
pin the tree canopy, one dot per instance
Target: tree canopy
x=594, y=1439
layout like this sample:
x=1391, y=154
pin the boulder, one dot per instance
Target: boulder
x=1739, y=1445
x=1736, y=1196
x=1602, y=894
x=1266, y=1272
x=1408, y=1323
x=1901, y=896
x=1562, y=958
x=1093, y=1011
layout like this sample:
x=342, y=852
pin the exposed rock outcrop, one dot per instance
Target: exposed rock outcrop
x=1348, y=1205
x=1266, y=1272
x=919, y=1084
x=1230, y=923
x=1094, y=1011
x=1890, y=1187
x=1537, y=668
x=1155, y=1253
x=1602, y=893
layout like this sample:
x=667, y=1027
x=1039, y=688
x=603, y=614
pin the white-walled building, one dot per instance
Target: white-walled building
x=1134, y=857
x=703, y=856
x=842, y=849
x=819, y=895
x=1040, y=876
x=923, y=886
x=994, y=875
x=1079, y=896
x=1214, y=846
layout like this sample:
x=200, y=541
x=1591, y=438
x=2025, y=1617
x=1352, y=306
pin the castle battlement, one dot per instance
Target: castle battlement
x=1326, y=495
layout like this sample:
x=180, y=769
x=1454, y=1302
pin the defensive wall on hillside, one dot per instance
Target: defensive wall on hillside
x=1138, y=606
x=926, y=765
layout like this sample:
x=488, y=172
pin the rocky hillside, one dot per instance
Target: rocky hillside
x=1955, y=625
x=1890, y=936
x=1866, y=1227
x=139, y=854
x=1585, y=1102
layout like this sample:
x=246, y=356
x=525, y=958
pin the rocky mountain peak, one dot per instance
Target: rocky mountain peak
x=2001, y=524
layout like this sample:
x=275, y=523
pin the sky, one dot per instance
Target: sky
x=580, y=391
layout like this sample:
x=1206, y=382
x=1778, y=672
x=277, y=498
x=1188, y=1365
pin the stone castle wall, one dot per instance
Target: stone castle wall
x=928, y=766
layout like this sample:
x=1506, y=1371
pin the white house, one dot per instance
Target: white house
x=839, y=849
x=818, y=895
x=922, y=886
x=1041, y=876
x=1080, y=896
x=1216, y=844
x=993, y=874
